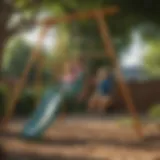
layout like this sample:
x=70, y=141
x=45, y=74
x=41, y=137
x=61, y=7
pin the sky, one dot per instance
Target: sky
x=133, y=55
x=49, y=40
x=50, y=37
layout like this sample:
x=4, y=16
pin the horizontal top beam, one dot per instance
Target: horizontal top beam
x=94, y=56
x=80, y=15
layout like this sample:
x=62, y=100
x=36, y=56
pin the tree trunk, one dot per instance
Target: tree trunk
x=5, y=14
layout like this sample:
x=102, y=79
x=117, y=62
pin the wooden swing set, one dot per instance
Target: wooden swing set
x=99, y=16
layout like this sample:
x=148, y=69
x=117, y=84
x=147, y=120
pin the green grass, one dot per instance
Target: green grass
x=127, y=121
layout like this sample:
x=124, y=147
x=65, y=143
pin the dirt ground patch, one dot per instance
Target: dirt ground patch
x=84, y=139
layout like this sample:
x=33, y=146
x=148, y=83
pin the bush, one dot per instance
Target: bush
x=154, y=112
x=28, y=101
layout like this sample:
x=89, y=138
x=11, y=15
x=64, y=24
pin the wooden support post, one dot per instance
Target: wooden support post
x=79, y=16
x=39, y=78
x=39, y=72
x=109, y=50
x=21, y=82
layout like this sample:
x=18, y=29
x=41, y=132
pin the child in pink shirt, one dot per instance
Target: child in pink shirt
x=72, y=70
x=68, y=77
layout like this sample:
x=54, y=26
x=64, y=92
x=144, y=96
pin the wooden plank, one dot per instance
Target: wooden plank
x=109, y=50
x=78, y=16
x=94, y=56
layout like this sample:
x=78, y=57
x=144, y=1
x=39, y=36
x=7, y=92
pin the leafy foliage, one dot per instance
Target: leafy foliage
x=130, y=16
x=154, y=112
x=16, y=56
x=152, y=59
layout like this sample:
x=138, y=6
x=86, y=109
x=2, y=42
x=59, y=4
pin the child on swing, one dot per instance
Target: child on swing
x=101, y=97
x=72, y=69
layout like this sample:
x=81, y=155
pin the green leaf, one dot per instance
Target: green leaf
x=21, y=3
x=152, y=59
x=154, y=112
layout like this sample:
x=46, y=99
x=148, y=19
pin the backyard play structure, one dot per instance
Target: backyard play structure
x=50, y=103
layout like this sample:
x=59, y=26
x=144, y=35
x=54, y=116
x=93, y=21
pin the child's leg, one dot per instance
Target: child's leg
x=92, y=104
x=103, y=103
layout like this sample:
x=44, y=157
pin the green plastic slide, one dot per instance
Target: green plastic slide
x=47, y=111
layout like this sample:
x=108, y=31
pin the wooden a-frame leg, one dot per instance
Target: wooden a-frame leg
x=109, y=50
x=20, y=84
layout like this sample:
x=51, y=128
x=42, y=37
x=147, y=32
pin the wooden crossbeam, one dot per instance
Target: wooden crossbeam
x=79, y=16
x=94, y=56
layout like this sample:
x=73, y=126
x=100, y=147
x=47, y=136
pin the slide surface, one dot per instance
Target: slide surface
x=46, y=112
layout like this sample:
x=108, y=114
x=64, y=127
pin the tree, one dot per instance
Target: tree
x=141, y=14
x=16, y=56
x=25, y=12
x=152, y=59
x=131, y=15
x=8, y=9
